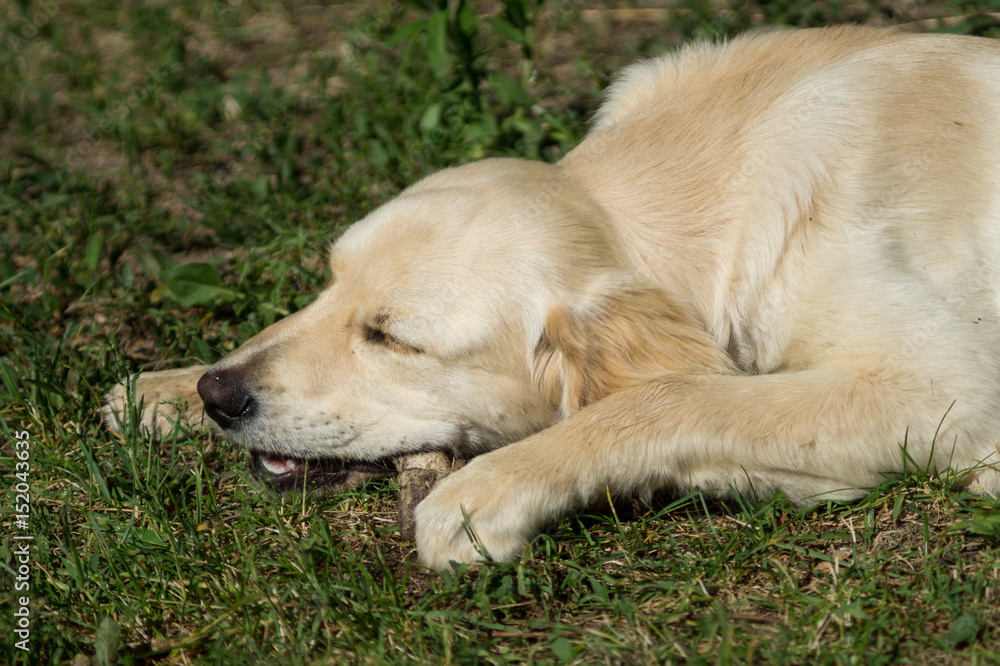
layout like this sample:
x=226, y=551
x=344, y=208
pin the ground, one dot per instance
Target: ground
x=172, y=176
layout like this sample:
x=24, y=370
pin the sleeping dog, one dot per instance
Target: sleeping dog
x=774, y=263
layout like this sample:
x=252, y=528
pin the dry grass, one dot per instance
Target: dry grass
x=135, y=137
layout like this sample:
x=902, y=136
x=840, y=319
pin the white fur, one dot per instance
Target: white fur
x=771, y=262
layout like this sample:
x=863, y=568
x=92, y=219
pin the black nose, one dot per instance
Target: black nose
x=226, y=397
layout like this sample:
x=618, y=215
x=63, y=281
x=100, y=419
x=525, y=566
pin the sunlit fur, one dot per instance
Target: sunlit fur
x=773, y=264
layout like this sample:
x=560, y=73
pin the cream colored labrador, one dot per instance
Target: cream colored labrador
x=773, y=264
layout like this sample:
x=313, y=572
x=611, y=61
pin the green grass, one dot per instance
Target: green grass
x=137, y=139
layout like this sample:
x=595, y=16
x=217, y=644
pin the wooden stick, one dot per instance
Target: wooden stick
x=418, y=474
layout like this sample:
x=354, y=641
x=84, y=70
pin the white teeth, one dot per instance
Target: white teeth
x=278, y=466
x=273, y=467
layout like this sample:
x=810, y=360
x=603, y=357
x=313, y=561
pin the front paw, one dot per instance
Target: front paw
x=482, y=512
x=167, y=396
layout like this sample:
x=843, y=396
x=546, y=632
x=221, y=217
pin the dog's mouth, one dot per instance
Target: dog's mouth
x=283, y=474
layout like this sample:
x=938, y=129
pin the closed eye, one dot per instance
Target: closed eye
x=381, y=337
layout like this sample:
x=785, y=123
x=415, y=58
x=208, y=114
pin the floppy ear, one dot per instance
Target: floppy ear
x=624, y=335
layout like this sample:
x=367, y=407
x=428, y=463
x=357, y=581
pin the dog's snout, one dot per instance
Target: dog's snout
x=227, y=399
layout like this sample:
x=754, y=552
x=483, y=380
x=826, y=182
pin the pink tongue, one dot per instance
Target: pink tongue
x=279, y=465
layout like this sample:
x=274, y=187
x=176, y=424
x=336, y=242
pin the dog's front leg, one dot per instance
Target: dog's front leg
x=166, y=396
x=819, y=433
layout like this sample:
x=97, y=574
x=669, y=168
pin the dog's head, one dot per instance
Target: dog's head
x=479, y=307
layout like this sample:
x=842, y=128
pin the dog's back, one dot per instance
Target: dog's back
x=782, y=153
